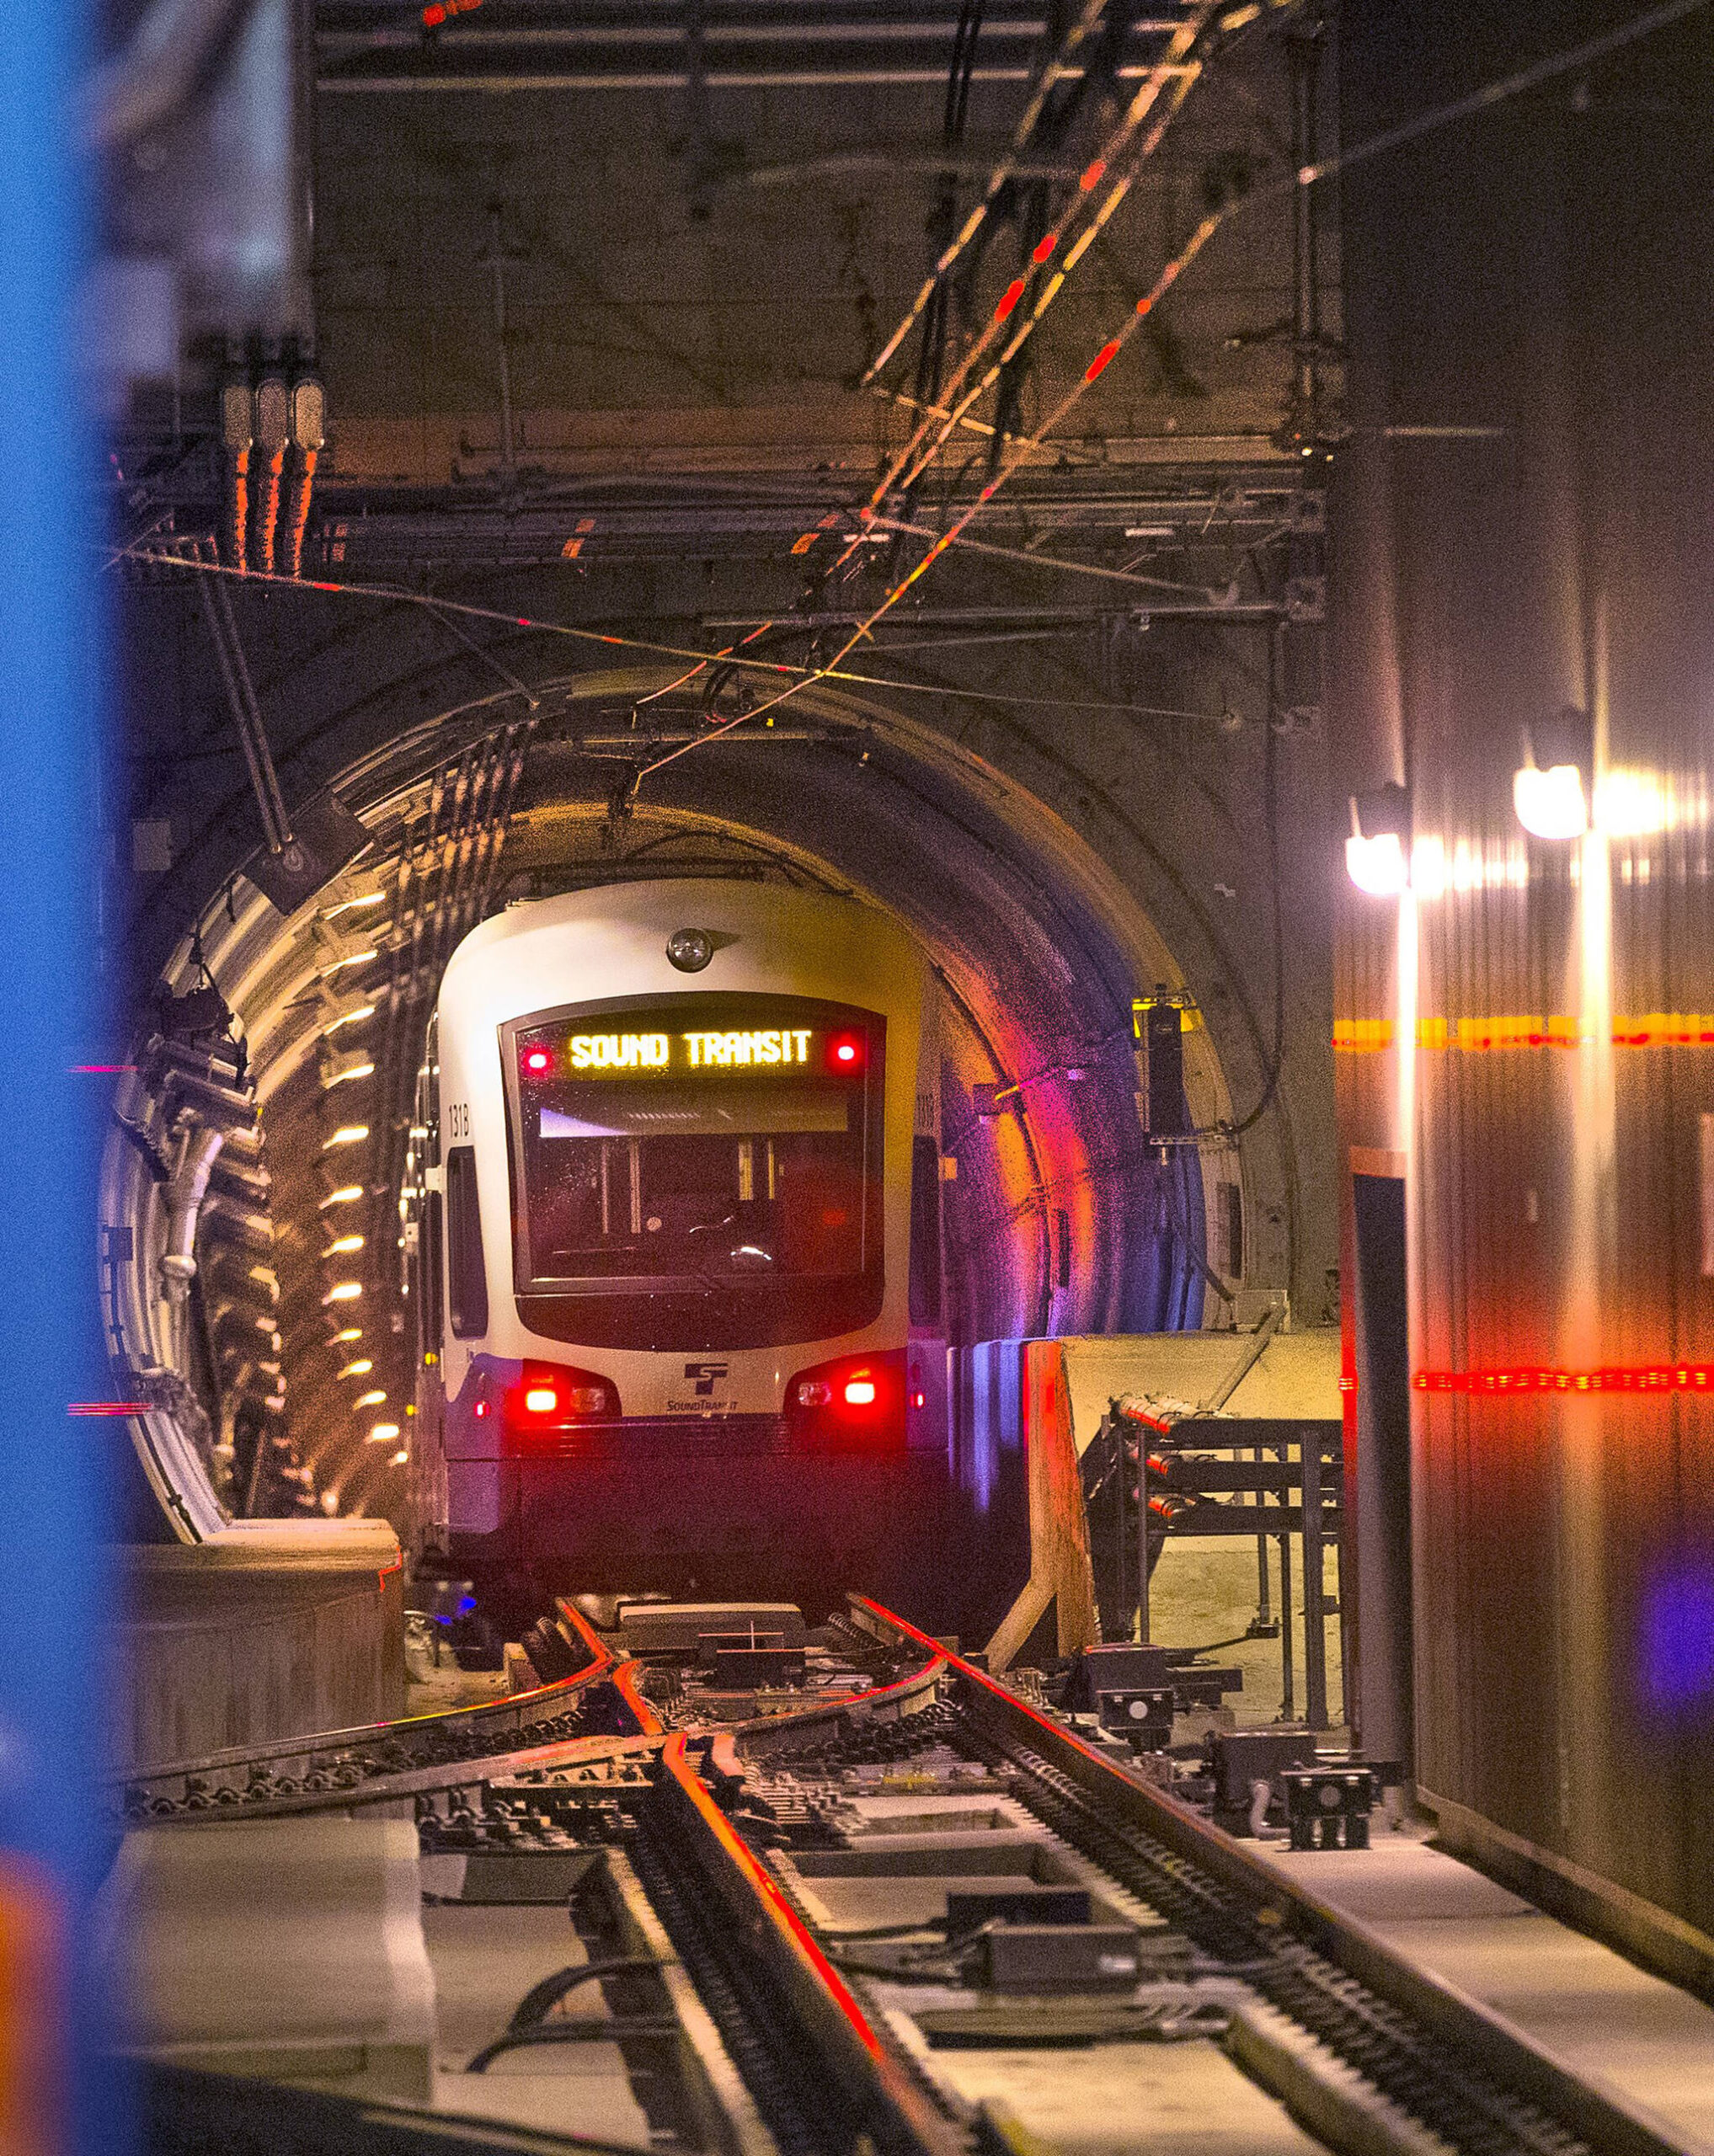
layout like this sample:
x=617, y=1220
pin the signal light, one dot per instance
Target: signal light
x=538, y=1060
x=542, y=1400
x=845, y=1052
x=860, y=1392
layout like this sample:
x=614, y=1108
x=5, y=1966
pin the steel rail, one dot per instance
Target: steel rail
x=889, y=2105
x=350, y=1775
x=513, y=1714
x=1596, y=2115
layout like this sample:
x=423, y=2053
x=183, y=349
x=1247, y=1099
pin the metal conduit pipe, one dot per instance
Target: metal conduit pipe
x=199, y=1144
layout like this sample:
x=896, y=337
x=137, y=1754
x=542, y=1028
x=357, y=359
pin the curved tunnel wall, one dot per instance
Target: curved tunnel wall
x=1023, y=866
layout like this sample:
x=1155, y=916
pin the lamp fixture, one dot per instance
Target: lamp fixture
x=1375, y=855
x=1551, y=789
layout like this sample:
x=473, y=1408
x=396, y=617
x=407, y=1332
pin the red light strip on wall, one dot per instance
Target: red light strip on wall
x=1636, y=1377
x=1472, y=1036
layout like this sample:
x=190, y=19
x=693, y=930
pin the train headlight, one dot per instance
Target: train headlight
x=690, y=949
x=813, y=1393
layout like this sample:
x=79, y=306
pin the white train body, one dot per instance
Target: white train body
x=664, y=1233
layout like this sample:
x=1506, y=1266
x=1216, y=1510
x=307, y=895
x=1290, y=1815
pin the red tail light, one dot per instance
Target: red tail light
x=548, y=1400
x=857, y=1403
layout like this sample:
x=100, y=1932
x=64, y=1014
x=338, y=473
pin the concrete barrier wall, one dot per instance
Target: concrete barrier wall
x=272, y=1628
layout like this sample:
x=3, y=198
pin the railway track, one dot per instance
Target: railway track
x=873, y=1902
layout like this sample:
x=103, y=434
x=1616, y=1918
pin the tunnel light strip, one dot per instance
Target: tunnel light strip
x=1472, y=1036
x=1633, y=1378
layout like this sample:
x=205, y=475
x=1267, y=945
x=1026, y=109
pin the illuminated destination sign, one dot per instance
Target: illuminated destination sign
x=603, y=1055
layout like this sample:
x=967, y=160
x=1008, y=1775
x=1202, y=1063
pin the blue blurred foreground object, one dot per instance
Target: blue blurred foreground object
x=54, y=1592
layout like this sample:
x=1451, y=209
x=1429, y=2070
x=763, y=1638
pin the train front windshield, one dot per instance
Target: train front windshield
x=723, y=1149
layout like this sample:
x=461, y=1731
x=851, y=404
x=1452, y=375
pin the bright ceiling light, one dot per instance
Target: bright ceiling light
x=400, y=1459
x=1630, y=804
x=360, y=1368
x=343, y=1291
x=339, y=1247
x=346, y=1194
x=383, y=1433
x=348, y=1133
x=346, y=1334
x=370, y=1400
x=1550, y=804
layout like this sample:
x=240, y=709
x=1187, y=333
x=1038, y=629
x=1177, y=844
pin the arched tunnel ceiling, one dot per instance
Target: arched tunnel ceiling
x=1026, y=871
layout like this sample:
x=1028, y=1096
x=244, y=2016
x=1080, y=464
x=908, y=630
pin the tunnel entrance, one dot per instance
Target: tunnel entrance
x=1060, y=1217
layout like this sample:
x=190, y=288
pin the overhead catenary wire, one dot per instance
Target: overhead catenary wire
x=401, y=595
x=1177, y=67
x=928, y=441
x=1514, y=85
x=1080, y=31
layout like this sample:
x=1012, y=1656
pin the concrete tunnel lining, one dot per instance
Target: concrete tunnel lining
x=1000, y=895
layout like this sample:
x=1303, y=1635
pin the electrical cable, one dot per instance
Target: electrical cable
x=540, y=1997
x=603, y=2030
x=1270, y=806
x=908, y=464
x=1052, y=560
x=1082, y=29
x=1509, y=86
x=399, y=594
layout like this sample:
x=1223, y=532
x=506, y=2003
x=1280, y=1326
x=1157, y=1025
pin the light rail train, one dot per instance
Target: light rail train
x=672, y=1218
